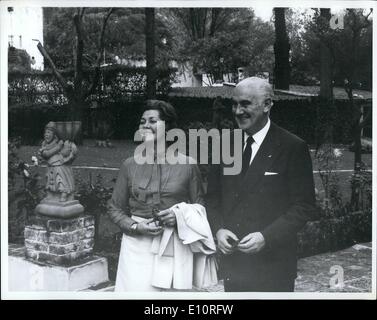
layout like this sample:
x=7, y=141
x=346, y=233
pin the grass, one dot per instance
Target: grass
x=91, y=155
x=101, y=157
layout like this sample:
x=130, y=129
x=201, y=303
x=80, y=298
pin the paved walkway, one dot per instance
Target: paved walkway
x=314, y=273
x=355, y=263
x=348, y=270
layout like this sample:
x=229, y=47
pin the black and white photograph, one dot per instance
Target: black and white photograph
x=187, y=150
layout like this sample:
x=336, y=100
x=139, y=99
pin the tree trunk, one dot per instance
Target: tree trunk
x=325, y=64
x=326, y=91
x=281, y=48
x=150, y=52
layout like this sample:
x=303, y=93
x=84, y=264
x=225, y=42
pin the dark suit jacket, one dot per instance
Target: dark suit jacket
x=278, y=206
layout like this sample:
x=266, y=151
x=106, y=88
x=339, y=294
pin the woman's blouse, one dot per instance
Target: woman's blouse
x=141, y=188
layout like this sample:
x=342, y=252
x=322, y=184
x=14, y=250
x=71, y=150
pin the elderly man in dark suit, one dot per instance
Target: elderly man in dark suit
x=256, y=214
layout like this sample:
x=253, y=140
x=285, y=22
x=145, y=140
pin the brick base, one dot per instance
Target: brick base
x=59, y=241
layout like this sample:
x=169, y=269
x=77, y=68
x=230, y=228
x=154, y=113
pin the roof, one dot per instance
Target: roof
x=295, y=93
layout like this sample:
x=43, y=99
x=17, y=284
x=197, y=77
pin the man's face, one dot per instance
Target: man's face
x=250, y=108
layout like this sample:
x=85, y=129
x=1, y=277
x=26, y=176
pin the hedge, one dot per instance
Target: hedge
x=120, y=119
x=334, y=234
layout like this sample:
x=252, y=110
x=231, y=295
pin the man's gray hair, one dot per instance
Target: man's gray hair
x=258, y=83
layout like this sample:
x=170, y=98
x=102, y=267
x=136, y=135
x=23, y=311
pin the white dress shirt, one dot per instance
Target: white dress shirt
x=258, y=139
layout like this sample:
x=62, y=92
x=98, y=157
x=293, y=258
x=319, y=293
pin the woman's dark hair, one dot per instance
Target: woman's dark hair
x=166, y=111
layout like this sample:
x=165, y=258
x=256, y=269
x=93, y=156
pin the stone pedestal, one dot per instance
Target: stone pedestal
x=57, y=256
x=59, y=241
x=26, y=275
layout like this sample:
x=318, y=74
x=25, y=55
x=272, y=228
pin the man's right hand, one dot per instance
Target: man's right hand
x=224, y=240
x=148, y=227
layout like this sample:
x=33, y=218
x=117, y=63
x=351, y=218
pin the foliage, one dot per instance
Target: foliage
x=332, y=234
x=93, y=195
x=362, y=182
x=353, y=60
x=18, y=60
x=24, y=191
x=117, y=82
x=298, y=116
x=125, y=35
x=328, y=158
x=307, y=28
x=219, y=40
x=304, y=47
x=34, y=87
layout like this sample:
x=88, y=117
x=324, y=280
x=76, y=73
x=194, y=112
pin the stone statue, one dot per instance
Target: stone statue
x=60, y=183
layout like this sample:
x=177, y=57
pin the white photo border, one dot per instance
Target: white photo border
x=8, y=295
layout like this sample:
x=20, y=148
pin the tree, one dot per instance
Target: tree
x=150, y=52
x=281, y=48
x=350, y=49
x=219, y=40
x=125, y=36
x=305, y=45
x=307, y=29
x=326, y=105
x=326, y=63
x=75, y=91
x=199, y=27
x=357, y=24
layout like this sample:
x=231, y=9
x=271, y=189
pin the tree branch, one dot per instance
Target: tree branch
x=101, y=45
x=81, y=12
x=63, y=83
x=366, y=21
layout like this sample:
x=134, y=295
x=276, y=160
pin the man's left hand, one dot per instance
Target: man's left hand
x=252, y=243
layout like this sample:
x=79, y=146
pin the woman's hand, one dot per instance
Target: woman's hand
x=148, y=227
x=166, y=217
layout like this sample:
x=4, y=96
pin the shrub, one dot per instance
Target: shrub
x=332, y=234
x=25, y=192
x=93, y=195
x=121, y=112
x=327, y=159
x=361, y=184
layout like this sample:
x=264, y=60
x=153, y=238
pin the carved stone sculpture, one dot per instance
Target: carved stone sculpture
x=60, y=183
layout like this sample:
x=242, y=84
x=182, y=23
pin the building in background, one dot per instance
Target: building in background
x=23, y=24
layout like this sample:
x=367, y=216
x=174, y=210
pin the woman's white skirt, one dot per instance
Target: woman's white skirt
x=135, y=264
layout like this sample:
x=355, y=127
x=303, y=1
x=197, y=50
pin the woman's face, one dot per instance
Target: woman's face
x=49, y=135
x=151, y=126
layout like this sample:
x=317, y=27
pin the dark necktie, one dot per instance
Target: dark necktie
x=246, y=156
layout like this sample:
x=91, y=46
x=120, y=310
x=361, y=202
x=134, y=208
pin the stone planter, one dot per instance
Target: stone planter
x=69, y=130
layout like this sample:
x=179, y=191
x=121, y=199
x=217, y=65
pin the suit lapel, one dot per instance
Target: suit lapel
x=262, y=161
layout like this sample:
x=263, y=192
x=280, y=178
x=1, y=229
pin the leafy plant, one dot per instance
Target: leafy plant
x=327, y=158
x=24, y=190
x=361, y=183
x=93, y=195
